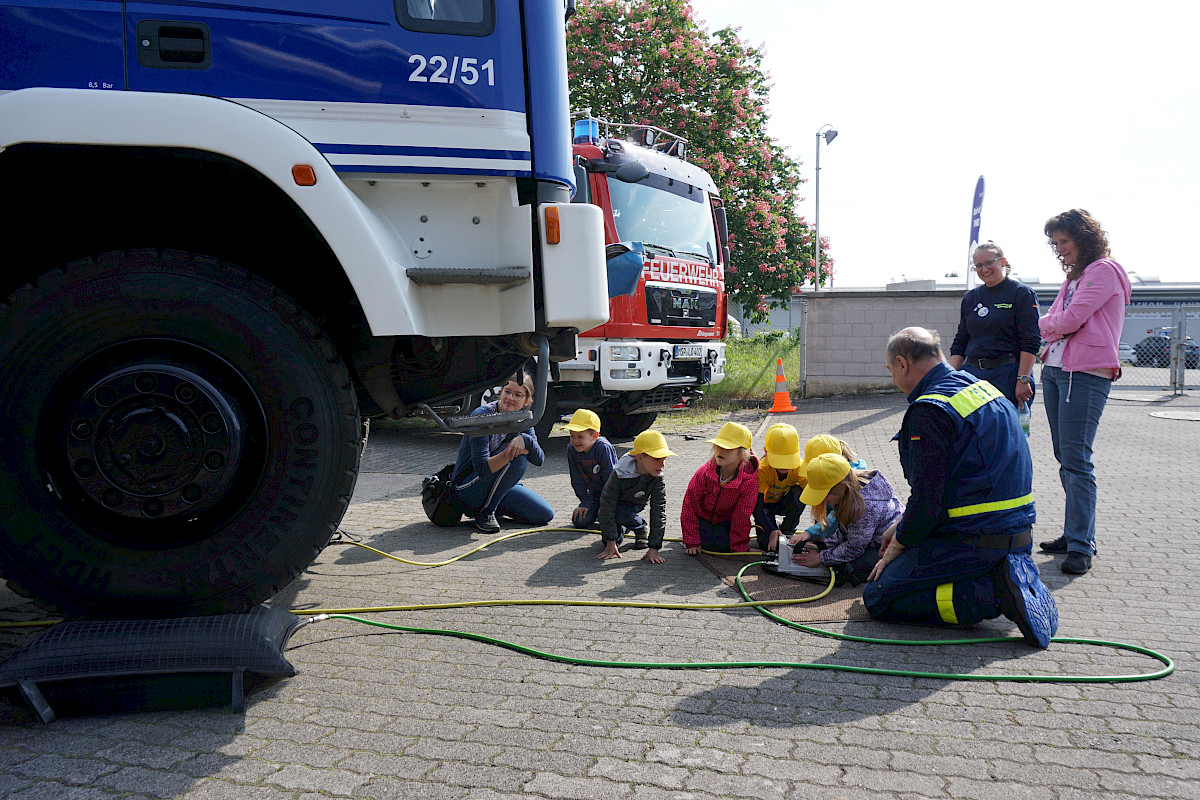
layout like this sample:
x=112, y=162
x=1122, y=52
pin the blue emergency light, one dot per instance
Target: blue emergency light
x=587, y=131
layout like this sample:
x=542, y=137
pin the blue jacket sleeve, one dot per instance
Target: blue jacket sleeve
x=1028, y=334
x=961, y=337
x=577, y=485
x=536, y=455
x=480, y=453
x=931, y=458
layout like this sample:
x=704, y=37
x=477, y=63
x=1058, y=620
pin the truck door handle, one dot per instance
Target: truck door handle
x=170, y=44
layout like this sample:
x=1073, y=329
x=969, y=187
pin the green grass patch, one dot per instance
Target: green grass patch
x=750, y=367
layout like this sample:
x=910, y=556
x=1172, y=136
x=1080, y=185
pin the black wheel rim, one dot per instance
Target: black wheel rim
x=153, y=443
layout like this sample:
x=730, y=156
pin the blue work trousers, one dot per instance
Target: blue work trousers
x=938, y=581
x=1074, y=402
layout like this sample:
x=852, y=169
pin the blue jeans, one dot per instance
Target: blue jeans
x=1074, y=402
x=508, y=496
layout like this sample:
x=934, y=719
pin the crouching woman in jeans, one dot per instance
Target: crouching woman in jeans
x=496, y=465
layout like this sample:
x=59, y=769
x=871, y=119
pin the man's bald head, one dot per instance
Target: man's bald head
x=916, y=345
x=911, y=353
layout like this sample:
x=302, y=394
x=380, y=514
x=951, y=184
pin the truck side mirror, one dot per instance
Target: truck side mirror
x=583, y=189
x=632, y=172
x=722, y=232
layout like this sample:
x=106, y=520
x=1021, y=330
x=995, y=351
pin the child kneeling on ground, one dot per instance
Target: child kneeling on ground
x=863, y=507
x=590, y=460
x=635, y=481
x=779, y=486
x=721, y=495
x=819, y=445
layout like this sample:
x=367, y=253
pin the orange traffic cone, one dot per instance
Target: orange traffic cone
x=783, y=402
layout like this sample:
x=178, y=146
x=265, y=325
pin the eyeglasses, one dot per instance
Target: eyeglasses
x=986, y=264
x=520, y=395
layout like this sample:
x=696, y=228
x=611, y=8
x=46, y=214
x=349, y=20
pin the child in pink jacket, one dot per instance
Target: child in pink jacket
x=721, y=495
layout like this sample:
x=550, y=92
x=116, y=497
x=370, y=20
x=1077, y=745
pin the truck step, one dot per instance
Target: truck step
x=468, y=421
x=481, y=276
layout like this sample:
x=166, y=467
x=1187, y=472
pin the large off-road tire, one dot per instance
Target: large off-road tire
x=177, y=437
x=627, y=425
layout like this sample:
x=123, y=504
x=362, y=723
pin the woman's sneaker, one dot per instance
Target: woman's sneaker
x=1025, y=600
x=1056, y=546
x=486, y=522
x=1076, y=564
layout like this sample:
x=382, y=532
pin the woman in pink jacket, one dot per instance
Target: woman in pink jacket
x=1080, y=361
x=721, y=495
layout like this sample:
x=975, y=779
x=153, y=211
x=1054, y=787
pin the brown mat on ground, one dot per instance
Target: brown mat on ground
x=842, y=603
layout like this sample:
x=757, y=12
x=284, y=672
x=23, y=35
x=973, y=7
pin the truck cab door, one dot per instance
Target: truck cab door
x=65, y=45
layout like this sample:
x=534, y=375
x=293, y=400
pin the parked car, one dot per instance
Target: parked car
x=1155, y=351
x=1126, y=354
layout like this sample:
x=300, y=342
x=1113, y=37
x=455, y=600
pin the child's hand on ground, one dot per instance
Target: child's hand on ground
x=806, y=558
x=692, y=551
x=610, y=551
x=578, y=515
x=652, y=556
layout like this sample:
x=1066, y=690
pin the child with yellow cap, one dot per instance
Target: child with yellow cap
x=635, y=481
x=721, y=495
x=817, y=445
x=779, y=485
x=590, y=460
x=863, y=505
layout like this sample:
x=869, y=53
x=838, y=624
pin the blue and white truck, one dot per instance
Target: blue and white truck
x=234, y=231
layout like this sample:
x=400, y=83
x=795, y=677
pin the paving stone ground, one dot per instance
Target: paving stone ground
x=378, y=714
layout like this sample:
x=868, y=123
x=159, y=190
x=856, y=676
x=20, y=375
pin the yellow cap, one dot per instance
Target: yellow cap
x=783, y=446
x=818, y=445
x=652, y=443
x=824, y=472
x=584, y=420
x=733, y=436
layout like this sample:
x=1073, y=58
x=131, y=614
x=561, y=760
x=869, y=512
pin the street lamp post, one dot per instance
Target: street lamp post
x=829, y=135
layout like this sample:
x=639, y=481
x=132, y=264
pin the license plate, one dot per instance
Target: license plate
x=689, y=351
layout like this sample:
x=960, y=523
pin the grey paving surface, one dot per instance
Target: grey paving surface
x=375, y=714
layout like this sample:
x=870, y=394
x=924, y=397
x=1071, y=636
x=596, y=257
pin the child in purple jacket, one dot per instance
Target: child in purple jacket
x=864, y=506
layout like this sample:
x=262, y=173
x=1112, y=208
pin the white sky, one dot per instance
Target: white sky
x=1058, y=103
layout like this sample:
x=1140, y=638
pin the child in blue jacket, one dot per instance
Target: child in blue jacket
x=590, y=460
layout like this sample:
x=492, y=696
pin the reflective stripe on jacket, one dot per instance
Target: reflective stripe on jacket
x=989, y=486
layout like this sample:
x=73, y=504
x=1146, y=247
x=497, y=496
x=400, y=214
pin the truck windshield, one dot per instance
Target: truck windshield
x=665, y=214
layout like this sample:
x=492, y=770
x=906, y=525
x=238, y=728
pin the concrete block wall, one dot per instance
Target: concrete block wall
x=845, y=333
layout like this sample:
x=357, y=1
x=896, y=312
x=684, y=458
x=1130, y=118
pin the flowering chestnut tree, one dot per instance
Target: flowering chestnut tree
x=650, y=62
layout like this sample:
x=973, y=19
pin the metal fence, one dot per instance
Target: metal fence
x=1163, y=355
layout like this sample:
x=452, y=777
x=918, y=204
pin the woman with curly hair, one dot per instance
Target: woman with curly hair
x=1082, y=330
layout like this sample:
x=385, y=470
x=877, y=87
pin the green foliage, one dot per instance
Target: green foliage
x=649, y=62
x=751, y=364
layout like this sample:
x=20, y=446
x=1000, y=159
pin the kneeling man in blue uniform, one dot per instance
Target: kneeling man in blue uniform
x=961, y=552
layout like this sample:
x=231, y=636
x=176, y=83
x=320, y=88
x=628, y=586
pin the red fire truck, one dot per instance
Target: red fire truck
x=663, y=343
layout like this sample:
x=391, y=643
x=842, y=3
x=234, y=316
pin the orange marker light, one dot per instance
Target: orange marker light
x=304, y=175
x=553, y=229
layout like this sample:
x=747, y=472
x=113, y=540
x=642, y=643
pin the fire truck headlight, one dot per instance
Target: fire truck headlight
x=624, y=352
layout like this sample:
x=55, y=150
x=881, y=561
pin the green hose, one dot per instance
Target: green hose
x=1167, y=669
x=318, y=614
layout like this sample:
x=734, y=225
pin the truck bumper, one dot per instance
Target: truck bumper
x=636, y=365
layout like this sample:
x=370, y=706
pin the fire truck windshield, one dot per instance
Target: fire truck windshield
x=666, y=214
